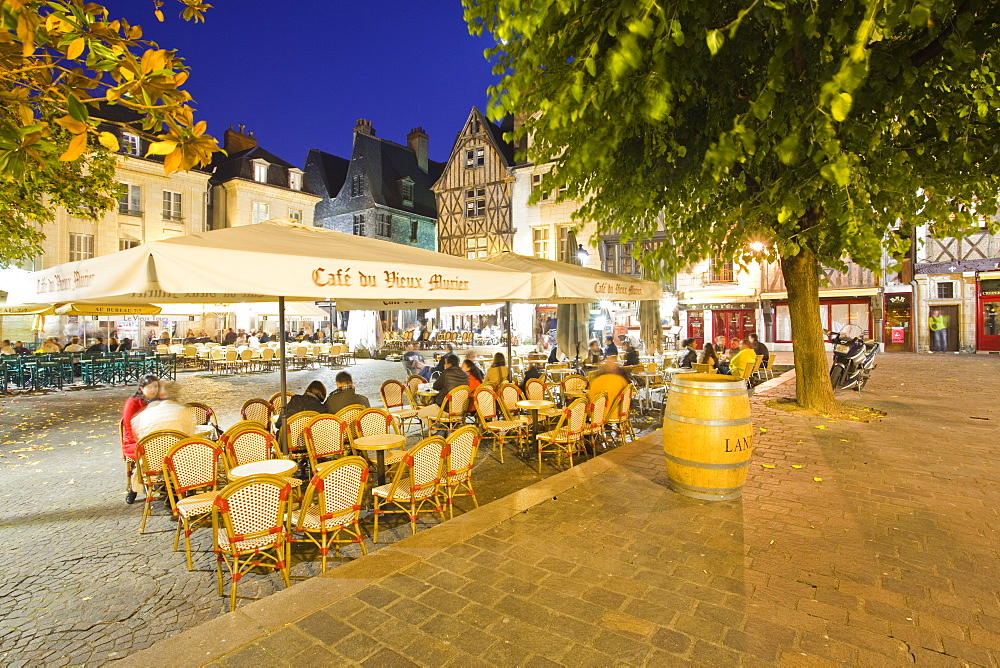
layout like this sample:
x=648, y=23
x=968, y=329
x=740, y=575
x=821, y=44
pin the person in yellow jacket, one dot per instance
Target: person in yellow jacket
x=745, y=357
x=939, y=331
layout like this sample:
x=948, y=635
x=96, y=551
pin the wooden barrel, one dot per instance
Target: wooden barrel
x=707, y=435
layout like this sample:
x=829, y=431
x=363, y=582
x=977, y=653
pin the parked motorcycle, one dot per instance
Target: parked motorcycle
x=853, y=358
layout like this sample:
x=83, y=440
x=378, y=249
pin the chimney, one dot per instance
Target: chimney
x=417, y=141
x=238, y=139
x=364, y=127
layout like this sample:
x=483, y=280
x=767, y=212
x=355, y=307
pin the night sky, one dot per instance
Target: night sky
x=299, y=73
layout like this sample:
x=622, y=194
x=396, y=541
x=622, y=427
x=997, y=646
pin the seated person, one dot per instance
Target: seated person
x=594, y=353
x=98, y=347
x=610, y=349
x=74, y=346
x=709, y=357
x=439, y=367
x=745, y=357
x=310, y=400
x=424, y=370
x=50, y=346
x=165, y=414
x=687, y=355
x=21, y=349
x=410, y=359
x=760, y=349
x=532, y=372
x=345, y=395
x=474, y=373
x=631, y=355
x=498, y=372
x=452, y=377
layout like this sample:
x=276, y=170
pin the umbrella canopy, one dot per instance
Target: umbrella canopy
x=267, y=260
x=650, y=330
x=571, y=318
x=77, y=308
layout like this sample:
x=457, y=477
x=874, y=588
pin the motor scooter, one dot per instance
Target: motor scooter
x=853, y=358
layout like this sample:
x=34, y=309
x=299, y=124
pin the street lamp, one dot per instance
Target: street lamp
x=756, y=246
x=582, y=254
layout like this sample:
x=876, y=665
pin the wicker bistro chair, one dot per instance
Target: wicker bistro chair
x=395, y=396
x=535, y=389
x=451, y=414
x=462, y=444
x=495, y=420
x=597, y=411
x=619, y=415
x=413, y=383
x=191, y=465
x=149, y=453
x=325, y=436
x=250, y=526
x=570, y=384
x=349, y=414
x=416, y=487
x=257, y=410
x=567, y=436
x=275, y=401
x=292, y=427
x=373, y=421
x=204, y=415
x=252, y=444
x=332, y=505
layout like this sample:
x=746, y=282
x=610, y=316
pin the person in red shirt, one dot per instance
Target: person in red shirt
x=149, y=390
x=474, y=372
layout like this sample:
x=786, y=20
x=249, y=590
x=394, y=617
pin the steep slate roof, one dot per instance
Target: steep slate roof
x=497, y=131
x=325, y=172
x=386, y=163
x=116, y=119
x=240, y=165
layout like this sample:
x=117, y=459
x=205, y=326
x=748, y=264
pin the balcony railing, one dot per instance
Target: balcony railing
x=126, y=211
x=854, y=277
x=720, y=276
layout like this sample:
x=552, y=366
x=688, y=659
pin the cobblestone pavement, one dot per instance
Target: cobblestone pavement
x=863, y=544
x=80, y=584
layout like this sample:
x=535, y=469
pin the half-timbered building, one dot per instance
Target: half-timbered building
x=473, y=194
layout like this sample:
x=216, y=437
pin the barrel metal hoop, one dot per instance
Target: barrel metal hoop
x=708, y=385
x=707, y=465
x=708, y=423
x=707, y=490
x=735, y=392
x=706, y=496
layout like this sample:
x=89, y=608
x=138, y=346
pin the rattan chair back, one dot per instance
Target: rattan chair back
x=324, y=436
x=249, y=445
x=372, y=421
x=463, y=444
x=257, y=410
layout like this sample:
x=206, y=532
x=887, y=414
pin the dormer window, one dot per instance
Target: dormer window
x=294, y=179
x=357, y=185
x=406, y=186
x=260, y=171
x=130, y=143
x=475, y=157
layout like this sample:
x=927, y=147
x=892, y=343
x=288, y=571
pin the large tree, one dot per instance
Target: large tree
x=811, y=126
x=59, y=60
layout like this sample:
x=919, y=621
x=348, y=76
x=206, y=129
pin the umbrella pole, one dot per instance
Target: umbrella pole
x=284, y=384
x=510, y=356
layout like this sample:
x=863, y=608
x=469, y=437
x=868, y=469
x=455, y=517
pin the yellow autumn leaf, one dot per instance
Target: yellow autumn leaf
x=796, y=466
x=77, y=145
x=768, y=466
x=71, y=124
x=108, y=141
x=821, y=426
x=173, y=162
x=842, y=440
x=76, y=48
x=159, y=15
x=165, y=147
x=762, y=430
x=818, y=479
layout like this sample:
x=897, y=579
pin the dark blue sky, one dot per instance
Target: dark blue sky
x=299, y=73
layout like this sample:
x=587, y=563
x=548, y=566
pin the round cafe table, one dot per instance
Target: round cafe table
x=379, y=443
x=426, y=396
x=278, y=467
x=535, y=405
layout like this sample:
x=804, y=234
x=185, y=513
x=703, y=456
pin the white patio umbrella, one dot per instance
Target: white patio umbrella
x=256, y=263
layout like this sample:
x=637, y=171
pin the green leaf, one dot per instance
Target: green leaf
x=714, y=38
x=841, y=106
x=77, y=109
x=788, y=147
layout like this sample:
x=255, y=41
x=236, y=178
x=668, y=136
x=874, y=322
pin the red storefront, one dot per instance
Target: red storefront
x=988, y=311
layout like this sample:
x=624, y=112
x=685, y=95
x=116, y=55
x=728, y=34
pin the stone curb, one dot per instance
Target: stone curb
x=228, y=632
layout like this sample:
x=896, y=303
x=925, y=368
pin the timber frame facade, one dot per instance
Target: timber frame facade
x=473, y=194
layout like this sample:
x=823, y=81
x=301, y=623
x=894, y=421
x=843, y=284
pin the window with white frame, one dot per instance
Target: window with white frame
x=475, y=157
x=171, y=205
x=383, y=224
x=131, y=144
x=130, y=201
x=81, y=246
x=475, y=248
x=563, y=239
x=540, y=241
x=295, y=214
x=259, y=212
x=295, y=180
x=406, y=188
x=125, y=244
x=536, y=184
x=475, y=202
x=359, y=224
x=260, y=172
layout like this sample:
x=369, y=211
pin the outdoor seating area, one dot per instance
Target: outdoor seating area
x=60, y=371
x=217, y=358
x=275, y=496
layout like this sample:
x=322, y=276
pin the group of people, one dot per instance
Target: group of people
x=627, y=353
x=51, y=345
x=731, y=360
x=415, y=365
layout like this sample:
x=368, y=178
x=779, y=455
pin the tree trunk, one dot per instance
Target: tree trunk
x=812, y=372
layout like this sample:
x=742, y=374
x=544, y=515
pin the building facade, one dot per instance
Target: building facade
x=383, y=191
x=250, y=185
x=473, y=194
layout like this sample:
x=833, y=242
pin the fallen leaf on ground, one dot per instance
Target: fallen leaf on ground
x=821, y=426
x=768, y=466
x=818, y=479
x=796, y=466
x=842, y=440
x=762, y=430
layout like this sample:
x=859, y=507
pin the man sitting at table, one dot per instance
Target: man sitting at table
x=450, y=378
x=688, y=355
x=98, y=347
x=163, y=415
x=310, y=400
x=345, y=395
x=746, y=356
x=594, y=352
x=610, y=349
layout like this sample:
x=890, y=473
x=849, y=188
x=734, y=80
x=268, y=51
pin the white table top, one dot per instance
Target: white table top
x=203, y=429
x=269, y=466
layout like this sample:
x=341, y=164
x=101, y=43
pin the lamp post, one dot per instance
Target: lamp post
x=582, y=255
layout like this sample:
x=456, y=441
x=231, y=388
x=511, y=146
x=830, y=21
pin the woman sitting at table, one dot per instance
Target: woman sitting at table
x=149, y=390
x=631, y=355
x=474, y=373
x=310, y=400
x=711, y=358
x=498, y=373
x=594, y=353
